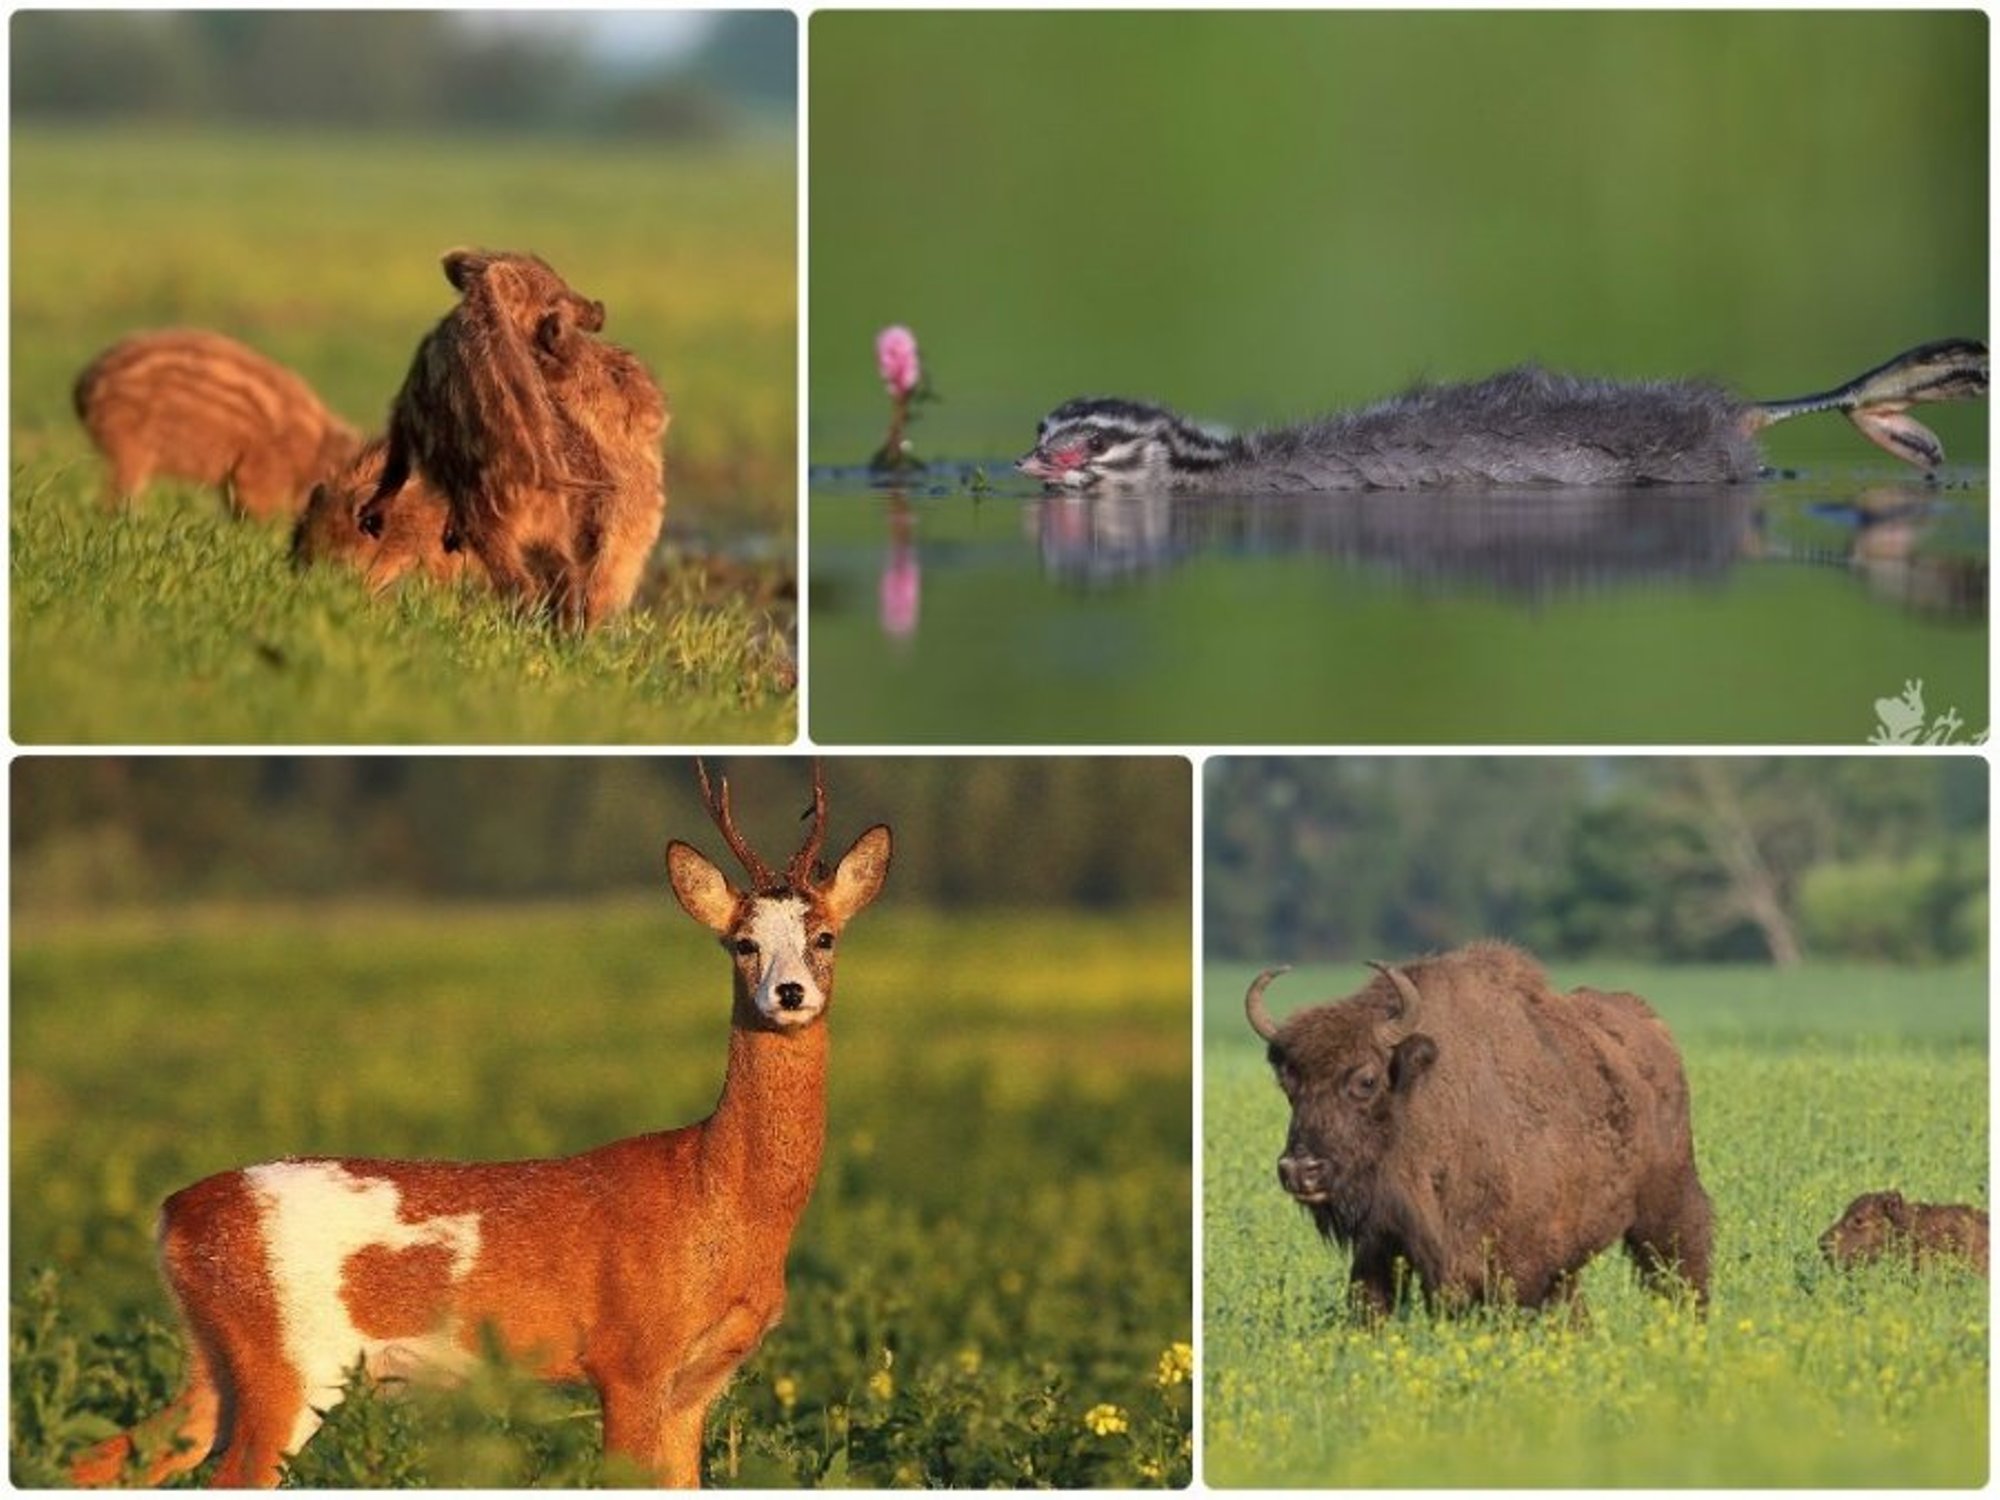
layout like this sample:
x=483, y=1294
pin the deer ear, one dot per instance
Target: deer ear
x=860, y=874
x=703, y=891
x=461, y=266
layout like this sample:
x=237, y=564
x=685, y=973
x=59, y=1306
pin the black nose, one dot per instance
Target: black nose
x=1302, y=1176
x=791, y=995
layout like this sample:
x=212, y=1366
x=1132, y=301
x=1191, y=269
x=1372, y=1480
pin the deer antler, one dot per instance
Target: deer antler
x=804, y=867
x=716, y=799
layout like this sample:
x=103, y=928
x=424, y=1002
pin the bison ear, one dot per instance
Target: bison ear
x=1410, y=1060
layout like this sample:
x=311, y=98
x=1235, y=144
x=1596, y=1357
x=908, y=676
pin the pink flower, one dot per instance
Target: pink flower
x=896, y=358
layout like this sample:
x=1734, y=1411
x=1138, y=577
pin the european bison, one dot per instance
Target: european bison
x=184, y=403
x=1462, y=1117
x=544, y=440
x=1878, y=1224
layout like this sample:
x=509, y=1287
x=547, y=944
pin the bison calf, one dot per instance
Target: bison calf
x=187, y=404
x=1459, y=1116
x=411, y=530
x=544, y=440
x=1878, y=1224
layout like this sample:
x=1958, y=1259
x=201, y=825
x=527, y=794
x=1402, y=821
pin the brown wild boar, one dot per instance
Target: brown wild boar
x=411, y=530
x=622, y=415
x=1460, y=1117
x=1878, y=1224
x=187, y=404
x=544, y=439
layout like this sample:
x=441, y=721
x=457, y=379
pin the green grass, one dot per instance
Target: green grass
x=1000, y=1240
x=172, y=625
x=1809, y=1087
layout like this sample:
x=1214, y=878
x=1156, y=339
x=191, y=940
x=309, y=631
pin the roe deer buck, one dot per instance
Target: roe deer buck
x=650, y=1267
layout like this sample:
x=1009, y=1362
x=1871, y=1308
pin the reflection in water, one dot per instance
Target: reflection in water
x=1889, y=523
x=902, y=573
x=1531, y=544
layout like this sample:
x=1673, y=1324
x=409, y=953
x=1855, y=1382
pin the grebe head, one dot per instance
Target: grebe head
x=1101, y=444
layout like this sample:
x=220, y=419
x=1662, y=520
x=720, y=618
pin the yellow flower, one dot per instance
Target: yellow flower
x=1105, y=1419
x=968, y=1360
x=1150, y=1468
x=881, y=1385
x=1176, y=1365
x=786, y=1390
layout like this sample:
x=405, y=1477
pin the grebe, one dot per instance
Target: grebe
x=1526, y=426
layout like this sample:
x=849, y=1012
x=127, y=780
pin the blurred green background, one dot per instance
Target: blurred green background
x=1812, y=930
x=220, y=961
x=291, y=179
x=1257, y=216
x=1668, y=859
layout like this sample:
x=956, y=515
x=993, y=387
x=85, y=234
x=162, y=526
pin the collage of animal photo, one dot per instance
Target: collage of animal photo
x=808, y=748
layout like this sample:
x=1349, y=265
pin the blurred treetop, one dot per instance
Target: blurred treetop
x=1679, y=858
x=97, y=832
x=397, y=70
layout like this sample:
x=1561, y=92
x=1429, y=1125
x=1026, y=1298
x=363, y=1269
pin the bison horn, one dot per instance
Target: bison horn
x=1253, y=1004
x=1406, y=1018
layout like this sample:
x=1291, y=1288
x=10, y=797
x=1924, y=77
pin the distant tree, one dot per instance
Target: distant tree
x=107, y=64
x=753, y=55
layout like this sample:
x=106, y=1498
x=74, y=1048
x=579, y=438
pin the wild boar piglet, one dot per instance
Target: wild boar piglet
x=185, y=403
x=411, y=531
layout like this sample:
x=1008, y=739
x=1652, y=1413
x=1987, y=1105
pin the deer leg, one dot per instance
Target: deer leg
x=269, y=1418
x=171, y=1441
x=635, y=1426
x=687, y=1407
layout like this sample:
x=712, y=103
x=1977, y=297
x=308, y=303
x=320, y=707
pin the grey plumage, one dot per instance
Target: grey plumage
x=1523, y=426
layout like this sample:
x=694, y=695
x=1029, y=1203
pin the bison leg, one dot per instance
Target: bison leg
x=1670, y=1242
x=1375, y=1283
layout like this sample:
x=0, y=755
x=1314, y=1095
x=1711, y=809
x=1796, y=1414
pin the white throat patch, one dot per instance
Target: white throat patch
x=786, y=992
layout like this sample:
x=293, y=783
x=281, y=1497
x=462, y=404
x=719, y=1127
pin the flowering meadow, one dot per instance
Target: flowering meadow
x=992, y=1287
x=1809, y=1087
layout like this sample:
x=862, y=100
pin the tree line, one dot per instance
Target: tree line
x=390, y=70
x=96, y=832
x=1670, y=858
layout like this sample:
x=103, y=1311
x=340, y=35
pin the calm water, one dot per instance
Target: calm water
x=1830, y=608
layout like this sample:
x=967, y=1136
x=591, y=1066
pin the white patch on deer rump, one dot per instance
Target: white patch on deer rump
x=315, y=1216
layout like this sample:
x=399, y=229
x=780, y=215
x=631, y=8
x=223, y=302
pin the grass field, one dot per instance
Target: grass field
x=172, y=625
x=999, y=1245
x=1809, y=1088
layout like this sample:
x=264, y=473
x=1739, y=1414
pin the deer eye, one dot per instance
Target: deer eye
x=744, y=947
x=371, y=523
x=824, y=940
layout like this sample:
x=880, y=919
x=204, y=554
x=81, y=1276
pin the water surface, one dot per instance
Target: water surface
x=1837, y=606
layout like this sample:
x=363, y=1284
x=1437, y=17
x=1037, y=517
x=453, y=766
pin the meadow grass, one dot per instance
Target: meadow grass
x=998, y=1248
x=1809, y=1087
x=171, y=624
